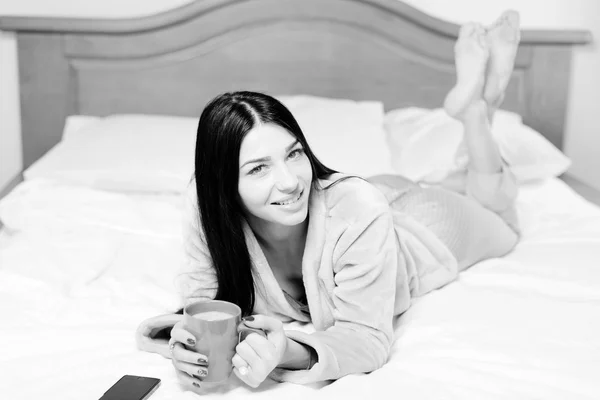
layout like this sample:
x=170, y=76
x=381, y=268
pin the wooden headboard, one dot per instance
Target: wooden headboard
x=174, y=62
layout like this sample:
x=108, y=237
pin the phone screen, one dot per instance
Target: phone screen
x=131, y=387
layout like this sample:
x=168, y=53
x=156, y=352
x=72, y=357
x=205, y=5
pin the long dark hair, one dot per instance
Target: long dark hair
x=224, y=123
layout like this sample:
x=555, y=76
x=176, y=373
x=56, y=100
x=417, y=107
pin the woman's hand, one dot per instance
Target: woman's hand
x=190, y=365
x=257, y=356
x=146, y=331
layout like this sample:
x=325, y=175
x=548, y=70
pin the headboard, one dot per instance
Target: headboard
x=174, y=62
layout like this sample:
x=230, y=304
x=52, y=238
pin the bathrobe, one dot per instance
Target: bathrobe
x=363, y=261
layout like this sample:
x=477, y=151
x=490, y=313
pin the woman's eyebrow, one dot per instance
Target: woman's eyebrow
x=263, y=159
x=292, y=145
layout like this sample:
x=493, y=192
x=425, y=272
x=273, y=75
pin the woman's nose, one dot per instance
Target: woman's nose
x=287, y=181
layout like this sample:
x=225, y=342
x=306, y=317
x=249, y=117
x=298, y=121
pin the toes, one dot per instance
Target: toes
x=478, y=29
x=512, y=18
x=479, y=35
x=482, y=41
x=472, y=32
x=512, y=23
x=508, y=17
x=467, y=29
x=497, y=22
x=506, y=28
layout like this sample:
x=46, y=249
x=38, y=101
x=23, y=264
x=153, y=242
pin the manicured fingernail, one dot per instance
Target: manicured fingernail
x=243, y=370
x=202, y=372
x=191, y=342
x=196, y=384
x=202, y=360
x=249, y=318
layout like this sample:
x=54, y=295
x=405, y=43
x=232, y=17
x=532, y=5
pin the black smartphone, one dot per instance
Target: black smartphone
x=131, y=387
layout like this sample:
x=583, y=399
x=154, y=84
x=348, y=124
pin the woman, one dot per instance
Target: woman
x=272, y=229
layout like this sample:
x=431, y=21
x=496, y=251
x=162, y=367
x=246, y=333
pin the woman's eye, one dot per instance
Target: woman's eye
x=296, y=153
x=256, y=169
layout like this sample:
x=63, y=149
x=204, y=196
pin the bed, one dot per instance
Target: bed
x=91, y=236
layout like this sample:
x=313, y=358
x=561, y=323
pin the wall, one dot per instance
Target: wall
x=582, y=143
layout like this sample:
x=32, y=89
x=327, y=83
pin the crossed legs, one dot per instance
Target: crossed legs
x=483, y=223
x=484, y=63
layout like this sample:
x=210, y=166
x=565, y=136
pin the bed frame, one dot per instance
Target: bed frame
x=174, y=62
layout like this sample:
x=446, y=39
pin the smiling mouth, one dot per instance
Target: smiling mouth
x=292, y=201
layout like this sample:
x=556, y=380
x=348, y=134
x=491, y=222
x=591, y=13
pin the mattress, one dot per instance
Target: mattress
x=80, y=268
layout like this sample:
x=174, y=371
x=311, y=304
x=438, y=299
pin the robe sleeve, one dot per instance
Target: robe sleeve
x=365, y=266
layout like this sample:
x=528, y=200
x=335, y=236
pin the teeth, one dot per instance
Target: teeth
x=291, y=201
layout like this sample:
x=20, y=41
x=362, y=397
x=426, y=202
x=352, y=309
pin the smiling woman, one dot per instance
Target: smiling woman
x=268, y=171
x=274, y=183
x=256, y=146
x=125, y=248
x=270, y=228
x=288, y=239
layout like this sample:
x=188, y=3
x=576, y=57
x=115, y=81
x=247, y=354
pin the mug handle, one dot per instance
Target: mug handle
x=244, y=331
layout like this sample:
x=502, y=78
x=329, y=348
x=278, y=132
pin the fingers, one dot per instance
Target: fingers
x=252, y=377
x=255, y=358
x=187, y=361
x=179, y=334
x=247, y=354
x=190, y=362
x=190, y=365
x=180, y=353
x=244, y=330
x=188, y=380
x=190, y=369
x=275, y=335
x=261, y=346
x=148, y=327
x=246, y=379
x=263, y=322
x=241, y=365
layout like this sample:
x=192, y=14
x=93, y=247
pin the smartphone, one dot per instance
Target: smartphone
x=131, y=387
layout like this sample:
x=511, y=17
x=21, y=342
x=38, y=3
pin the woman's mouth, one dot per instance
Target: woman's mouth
x=290, y=201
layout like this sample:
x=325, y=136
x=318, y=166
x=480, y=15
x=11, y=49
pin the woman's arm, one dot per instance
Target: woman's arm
x=365, y=267
x=298, y=356
x=153, y=334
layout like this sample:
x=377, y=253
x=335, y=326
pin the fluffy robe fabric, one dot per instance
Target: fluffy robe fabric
x=362, y=264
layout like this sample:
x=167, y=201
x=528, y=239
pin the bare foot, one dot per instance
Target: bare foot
x=503, y=39
x=471, y=55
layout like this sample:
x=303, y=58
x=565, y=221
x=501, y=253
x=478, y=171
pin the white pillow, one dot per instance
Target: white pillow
x=427, y=146
x=155, y=153
x=125, y=153
x=345, y=135
x=75, y=124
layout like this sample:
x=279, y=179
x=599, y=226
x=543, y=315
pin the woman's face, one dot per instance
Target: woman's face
x=275, y=176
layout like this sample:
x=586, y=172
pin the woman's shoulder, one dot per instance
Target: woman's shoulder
x=349, y=194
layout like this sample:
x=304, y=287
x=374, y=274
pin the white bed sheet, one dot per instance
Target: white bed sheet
x=80, y=268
